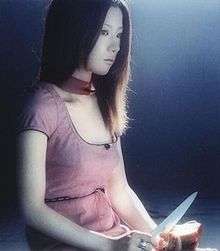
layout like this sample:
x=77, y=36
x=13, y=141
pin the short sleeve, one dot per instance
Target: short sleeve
x=38, y=112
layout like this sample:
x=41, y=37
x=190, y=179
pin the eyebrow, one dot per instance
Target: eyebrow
x=111, y=26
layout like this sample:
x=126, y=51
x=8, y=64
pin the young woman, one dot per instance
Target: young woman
x=74, y=194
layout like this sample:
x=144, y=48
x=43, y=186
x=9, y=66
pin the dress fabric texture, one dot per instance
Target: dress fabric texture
x=74, y=168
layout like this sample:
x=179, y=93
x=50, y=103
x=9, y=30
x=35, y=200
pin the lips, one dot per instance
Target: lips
x=109, y=60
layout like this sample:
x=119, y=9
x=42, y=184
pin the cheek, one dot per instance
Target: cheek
x=96, y=58
x=94, y=55
x=99, y=48
x=98, y=66
x=93, y=61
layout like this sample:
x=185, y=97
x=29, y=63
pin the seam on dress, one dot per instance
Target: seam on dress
x=32, y=128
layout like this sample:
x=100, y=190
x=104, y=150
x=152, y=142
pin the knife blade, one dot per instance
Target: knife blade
x=175, y=216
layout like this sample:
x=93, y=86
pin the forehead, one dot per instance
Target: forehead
x=114, y=17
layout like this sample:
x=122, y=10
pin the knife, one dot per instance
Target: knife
x=175, y=216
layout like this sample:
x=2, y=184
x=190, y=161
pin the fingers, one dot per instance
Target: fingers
x=169, y=242
x=185, y=236
x=158, y=242
x=174, y=243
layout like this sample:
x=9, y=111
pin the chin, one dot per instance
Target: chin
x=102, y=73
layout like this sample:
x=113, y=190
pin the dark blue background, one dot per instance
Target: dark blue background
x=174, y=141
x=172, y=147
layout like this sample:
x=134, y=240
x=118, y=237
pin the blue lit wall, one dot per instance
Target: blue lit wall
x=176, y=104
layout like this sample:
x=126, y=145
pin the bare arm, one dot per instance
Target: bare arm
x=31, y=156
x=125, y=201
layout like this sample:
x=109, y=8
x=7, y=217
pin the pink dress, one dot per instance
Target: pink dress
x=76, y=171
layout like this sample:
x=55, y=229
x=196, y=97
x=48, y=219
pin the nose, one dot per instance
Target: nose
x=114, y=45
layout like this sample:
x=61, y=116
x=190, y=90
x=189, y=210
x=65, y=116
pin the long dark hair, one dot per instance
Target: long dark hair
x=72, y=28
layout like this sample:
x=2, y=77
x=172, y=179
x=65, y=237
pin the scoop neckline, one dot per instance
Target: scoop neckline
x=50, y=86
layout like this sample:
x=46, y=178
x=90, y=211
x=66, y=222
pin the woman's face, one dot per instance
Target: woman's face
x=108, y=43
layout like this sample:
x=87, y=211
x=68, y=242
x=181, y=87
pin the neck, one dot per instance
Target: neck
x=82, y=74
x=78, y=86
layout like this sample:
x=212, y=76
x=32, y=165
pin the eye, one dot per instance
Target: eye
x=104, y=32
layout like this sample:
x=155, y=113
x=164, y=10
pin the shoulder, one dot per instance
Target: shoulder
x=39, y=95
x=38, y=110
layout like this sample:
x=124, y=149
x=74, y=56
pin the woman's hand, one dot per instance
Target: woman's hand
x=189, y=233
x=142, y=241
x=182, y=237
x=138, y=241
x=166, y=242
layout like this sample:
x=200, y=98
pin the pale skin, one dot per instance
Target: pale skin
x=85, y=113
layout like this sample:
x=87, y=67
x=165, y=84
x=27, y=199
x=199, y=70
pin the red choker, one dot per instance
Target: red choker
x=78, y=86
